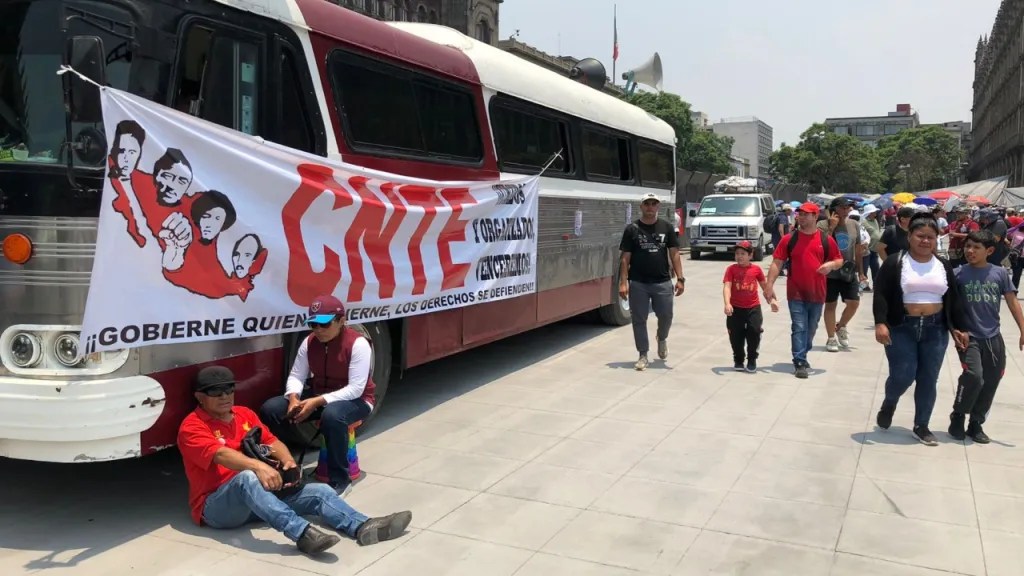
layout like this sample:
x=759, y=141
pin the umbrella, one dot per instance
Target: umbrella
x=795, y=204
x=854, y=198
x=979, y=200
x=925, y=201
x=883, y=202
x=904, y=198
x=942, y=195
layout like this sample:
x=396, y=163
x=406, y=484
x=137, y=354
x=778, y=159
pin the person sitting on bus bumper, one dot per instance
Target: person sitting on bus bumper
x=228, y=489
x=330, y=382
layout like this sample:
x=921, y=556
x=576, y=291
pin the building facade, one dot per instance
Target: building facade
x=753, y=139
x=700, y=120
x=871, y=129
x=740, y=166
x=476, y=18
x=997, y=138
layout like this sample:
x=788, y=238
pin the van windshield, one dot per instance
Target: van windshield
x=730, y=206
x=31, y=93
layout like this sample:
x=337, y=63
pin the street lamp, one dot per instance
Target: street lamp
x=906, y=175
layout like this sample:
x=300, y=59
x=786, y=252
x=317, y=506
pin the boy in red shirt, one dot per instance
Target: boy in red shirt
x=743, y=308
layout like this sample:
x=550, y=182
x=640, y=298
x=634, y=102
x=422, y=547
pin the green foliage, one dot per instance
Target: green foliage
x=839, y=163
x=696, y=150
x=922, y=158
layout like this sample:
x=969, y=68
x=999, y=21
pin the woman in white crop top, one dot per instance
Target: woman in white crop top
x=916, y=308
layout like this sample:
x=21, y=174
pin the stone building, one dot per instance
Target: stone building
x=997, y=136
x=476, y=18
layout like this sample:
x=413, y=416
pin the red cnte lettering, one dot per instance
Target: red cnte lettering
x=368, y=227
x=453, y=275
x=426, y=198
x=304, y=284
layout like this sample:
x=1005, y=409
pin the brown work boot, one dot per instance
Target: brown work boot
x=384, y=528
x=314, y=541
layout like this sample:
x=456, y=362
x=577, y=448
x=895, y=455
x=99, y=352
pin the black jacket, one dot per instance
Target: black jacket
x=888, y=301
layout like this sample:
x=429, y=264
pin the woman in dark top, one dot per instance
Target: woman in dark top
x=917, y=305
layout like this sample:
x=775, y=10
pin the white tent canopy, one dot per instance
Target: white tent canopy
x=993, y=189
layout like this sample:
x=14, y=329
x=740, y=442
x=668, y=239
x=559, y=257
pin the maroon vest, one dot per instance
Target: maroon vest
x=328, y=364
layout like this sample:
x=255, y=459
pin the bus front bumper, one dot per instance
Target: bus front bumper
x=76, y=420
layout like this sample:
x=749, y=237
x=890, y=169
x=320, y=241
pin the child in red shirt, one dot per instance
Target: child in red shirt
x=743, y=308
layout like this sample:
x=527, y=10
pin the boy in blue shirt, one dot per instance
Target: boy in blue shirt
x=984, y=361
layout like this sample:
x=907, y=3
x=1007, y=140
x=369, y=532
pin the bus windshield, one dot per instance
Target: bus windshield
x=730, y=206
x=31, y=93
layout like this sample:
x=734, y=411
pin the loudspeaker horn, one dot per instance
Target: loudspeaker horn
x=650, y=74
x=589, y=71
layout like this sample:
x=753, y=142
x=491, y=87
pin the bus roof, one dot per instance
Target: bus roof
x=512, y=75
x=374, y=36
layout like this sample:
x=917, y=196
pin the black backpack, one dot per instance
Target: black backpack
x=795, y=237
x=771, y=223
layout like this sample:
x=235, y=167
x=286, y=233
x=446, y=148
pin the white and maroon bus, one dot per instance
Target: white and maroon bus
x=414, y=99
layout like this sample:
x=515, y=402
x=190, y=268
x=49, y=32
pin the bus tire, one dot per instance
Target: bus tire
x=758, y=254
x=616, y=313
x=380, y=340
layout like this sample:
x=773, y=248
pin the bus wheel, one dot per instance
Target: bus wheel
x=758, y=254
x=616, y=313
x=380, y=340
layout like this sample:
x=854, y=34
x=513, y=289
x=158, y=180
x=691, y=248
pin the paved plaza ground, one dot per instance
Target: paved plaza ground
x=548, y=454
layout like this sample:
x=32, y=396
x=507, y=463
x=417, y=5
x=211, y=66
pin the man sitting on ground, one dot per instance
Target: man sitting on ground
x=228, y=488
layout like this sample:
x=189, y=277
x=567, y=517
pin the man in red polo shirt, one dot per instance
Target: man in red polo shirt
x=330, y=381
x=228, y=489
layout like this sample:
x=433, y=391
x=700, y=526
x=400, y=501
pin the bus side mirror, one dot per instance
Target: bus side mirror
x=693, y=213
x=86, y=55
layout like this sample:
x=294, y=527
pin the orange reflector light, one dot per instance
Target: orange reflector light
x=17, y=248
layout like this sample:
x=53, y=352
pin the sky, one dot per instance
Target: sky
x=789, y=62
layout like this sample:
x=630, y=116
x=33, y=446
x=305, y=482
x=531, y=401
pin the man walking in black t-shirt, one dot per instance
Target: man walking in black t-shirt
x=645, y=277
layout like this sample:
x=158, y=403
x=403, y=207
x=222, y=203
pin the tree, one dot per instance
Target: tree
x=839, y=163
x=696, y=150
x=920, y=158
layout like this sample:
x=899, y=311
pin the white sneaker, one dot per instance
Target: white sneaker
x=641, y=364
x=844, y=337
x=832, y=345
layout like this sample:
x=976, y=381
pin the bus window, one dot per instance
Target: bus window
x=526, y=141
x=294, y=125
x=656, y=165
x=387, y=109
x=605, y=157
x=219, y=79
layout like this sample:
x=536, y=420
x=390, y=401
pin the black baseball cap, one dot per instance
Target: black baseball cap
x=213, y=377
x=840, y=202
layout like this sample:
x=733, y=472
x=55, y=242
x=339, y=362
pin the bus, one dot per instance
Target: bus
x=414, y=99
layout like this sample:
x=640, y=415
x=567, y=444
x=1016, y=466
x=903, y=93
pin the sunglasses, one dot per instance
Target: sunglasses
x=218, y=391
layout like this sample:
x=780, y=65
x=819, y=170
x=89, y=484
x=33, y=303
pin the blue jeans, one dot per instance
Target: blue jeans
x=243, y=499
x=334, y=418
x=916, y=353
x=805, y=317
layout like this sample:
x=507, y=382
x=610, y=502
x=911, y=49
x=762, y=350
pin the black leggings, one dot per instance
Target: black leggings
x=744, y=327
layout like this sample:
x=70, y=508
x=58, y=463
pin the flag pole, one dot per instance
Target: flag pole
x=615, y=39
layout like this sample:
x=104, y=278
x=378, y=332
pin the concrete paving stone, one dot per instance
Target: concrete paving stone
x=915, y=469
x=731, y=422
x=633, y=543
x=718, y=554
x=651, y=412
x=661, y=501
x=504, y=443
x=466, y=412
x=596, y=456
x=995, y=479
x=509, y=521
x=798, y=485
x=813, y=433
x=1000, y=452
x=575, y=404
x=914, y=542
x=853, y=565
x=700, y=469
x=900, y=441
x=434, y=554
x=540, y=422
x=1000, y=513
x=548, y=564
x=1004, y=553
x=459, y=470
x=639, y=434
x=800, y=523
x=786, y=454
x=555, y=485
x=428, y=502
x=919, y=501
x=689, y=441
x=380, y=458
x=160, y=558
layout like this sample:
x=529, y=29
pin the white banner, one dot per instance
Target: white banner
x=206, y=233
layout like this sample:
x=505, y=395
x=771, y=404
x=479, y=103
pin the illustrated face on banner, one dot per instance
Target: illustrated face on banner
x=171, y=184
x=246, y=250
x=211, y=223
x=212, y=213
x=128, y=152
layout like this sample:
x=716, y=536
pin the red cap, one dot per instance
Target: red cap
x=746, y=245
x=325, y=309
x=809, y=207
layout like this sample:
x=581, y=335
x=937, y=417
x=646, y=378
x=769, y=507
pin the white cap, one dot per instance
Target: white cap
x=854, y=214
x=649, y=196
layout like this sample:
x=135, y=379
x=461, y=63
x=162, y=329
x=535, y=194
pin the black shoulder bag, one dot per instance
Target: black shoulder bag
x=253, y=447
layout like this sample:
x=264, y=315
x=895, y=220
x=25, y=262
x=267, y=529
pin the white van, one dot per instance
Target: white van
x=725, y=219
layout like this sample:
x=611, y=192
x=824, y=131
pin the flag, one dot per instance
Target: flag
x=615, y=26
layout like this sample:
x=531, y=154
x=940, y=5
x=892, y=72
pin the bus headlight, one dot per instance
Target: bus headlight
x=26, y=350
x=65, y=348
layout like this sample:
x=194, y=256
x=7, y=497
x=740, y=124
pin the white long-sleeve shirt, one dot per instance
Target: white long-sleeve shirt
x=358, y=372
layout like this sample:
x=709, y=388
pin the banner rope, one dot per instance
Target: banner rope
x=64, y=69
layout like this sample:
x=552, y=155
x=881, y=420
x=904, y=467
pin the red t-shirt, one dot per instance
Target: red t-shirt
x=745, y=281
x=965, y=226
x=199, y=438
x=805, y=284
